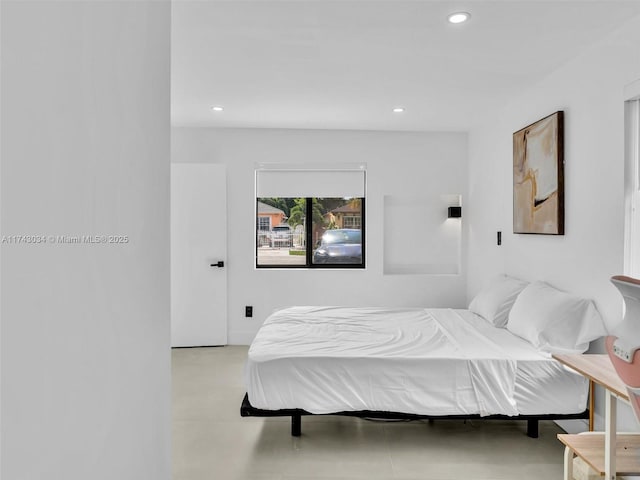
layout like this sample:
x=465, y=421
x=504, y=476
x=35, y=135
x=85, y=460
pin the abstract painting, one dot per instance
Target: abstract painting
x=538, y=177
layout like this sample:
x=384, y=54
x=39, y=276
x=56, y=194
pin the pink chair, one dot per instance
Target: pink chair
x=623, y=345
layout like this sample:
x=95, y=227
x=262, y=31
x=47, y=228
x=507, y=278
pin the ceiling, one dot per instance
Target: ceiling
x=323, y=64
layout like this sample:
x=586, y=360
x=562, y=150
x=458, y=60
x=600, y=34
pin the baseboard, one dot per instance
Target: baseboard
x=240, y=338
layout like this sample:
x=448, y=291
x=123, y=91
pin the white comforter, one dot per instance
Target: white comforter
x=422, y=361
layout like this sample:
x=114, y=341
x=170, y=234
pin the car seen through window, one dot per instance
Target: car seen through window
x=342, y=246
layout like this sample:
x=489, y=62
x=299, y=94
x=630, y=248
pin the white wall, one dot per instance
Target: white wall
x=85, y=327
x=402, y=164
x=590, y=91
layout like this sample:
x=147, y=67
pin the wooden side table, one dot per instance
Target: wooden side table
x=606, y=452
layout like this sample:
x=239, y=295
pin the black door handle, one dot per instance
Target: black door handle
x=220, y=264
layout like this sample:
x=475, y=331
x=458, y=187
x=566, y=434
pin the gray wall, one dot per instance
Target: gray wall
x=85, y=356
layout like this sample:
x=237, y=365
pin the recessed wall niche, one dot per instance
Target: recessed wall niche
x=419, y=238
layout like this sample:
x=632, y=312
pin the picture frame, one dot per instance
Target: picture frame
x=538, y=177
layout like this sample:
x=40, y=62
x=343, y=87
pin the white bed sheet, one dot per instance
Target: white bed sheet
x=420, y=361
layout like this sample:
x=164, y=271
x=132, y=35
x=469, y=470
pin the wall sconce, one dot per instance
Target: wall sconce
x=455, y=212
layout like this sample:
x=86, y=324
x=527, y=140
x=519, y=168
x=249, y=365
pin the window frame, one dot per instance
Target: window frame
x=268, y=221
x=632, y=186
x=308, y=226
x=351, y=217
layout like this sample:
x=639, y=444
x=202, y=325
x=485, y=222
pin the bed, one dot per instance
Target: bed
x=418, y=363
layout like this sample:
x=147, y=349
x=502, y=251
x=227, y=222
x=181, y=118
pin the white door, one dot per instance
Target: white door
x=198, y=243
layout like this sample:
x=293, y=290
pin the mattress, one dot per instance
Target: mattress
x=421, y=361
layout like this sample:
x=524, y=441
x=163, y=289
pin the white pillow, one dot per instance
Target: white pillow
x=495, y=300
x=555, y=321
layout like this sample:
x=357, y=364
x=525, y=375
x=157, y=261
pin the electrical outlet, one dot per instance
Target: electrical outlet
x=248, y=311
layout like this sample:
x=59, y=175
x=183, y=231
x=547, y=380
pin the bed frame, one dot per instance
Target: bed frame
x=248, y=410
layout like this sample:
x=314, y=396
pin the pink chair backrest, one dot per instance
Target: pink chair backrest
x=629, y=333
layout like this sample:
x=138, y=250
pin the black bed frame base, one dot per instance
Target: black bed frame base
x=248, y=410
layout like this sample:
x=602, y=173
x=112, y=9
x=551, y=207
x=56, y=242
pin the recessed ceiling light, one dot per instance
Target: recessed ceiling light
x=398, y=110
x=459, y=17
x=217, y=108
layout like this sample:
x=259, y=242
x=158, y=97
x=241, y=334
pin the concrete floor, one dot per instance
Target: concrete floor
x=211, y=440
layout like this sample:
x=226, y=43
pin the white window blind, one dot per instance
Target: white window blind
x=297, y=181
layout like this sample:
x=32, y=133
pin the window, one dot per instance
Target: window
x=632, y=187
x=352, y=221
x=264, y=223
x=320, y=216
